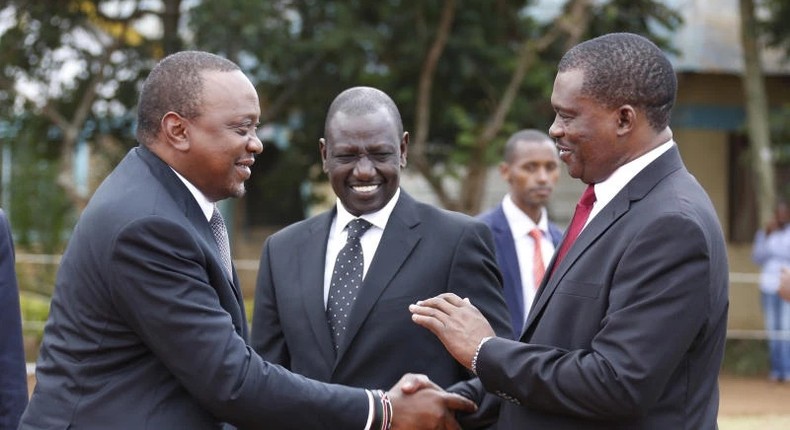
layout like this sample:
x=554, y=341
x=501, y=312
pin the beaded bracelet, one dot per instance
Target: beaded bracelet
x=382, y=418
x=477, y=352
x=387, y=406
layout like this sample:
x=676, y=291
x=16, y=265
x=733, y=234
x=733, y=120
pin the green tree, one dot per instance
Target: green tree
x=464, y=73
x=774, y=25
x=757, y=114
x=68, y=80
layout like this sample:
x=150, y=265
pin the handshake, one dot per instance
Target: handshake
x=418, y=403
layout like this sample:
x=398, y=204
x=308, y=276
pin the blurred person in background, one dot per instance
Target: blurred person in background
x=524, y=237
x=772, y=253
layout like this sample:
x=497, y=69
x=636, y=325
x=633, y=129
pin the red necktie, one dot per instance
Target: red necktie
x=580, y=216
x=538, y=269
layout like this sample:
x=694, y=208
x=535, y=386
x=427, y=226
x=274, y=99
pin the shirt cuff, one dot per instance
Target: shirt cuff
x=370, y=410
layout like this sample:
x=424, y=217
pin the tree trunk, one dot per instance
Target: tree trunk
x=170, y=18
x=757, y=115
x=417, y=153
x=570, y=24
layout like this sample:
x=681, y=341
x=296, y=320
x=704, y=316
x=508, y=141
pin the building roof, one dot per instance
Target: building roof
x=710, y=39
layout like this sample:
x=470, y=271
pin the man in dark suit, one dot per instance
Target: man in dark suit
x=411, y=251
x=147, y=327
x=13, y=376
x=525, y=238
x=628, y=331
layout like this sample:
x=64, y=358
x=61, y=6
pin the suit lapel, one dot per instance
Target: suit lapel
x=635, y=190
x=613, y=211
x=512, y=290
x=397, y=242
x=179, y=192
x=311, y=250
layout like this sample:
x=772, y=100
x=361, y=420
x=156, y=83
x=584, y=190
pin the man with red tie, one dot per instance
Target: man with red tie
x=525, y=239
x=628, y=330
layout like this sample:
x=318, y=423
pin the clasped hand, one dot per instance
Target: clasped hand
x=418, y=403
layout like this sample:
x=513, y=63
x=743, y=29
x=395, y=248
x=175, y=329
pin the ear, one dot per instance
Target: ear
x=174, y=129
x=322, y=149
x=404, y=149
x=626, y=119
x=504, y=171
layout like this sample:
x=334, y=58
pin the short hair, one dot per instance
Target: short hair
x=362, y=101
x=526, y=135
x=175, y=84
x=625, y=68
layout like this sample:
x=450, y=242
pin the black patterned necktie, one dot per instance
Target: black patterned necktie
x=346, y=280
x=220, y=233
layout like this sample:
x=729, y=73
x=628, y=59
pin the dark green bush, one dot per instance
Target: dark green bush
x=746, y=357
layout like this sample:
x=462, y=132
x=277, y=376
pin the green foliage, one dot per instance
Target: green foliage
x=54, y=48
x=39, y=211
x=775, y=23
x=35, y=310
x=302, y=53
x=780, y=132
x=638, y=16
x=746, y=357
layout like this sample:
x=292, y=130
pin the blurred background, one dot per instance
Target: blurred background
x=464, y=73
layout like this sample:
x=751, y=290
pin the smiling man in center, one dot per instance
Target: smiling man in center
x=410, y=251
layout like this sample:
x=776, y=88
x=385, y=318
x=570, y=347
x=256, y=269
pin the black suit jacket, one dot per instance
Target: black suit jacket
x=629, y=331
x=424, y=251
x=147, y=330
x=507, y=259
x=13, y=376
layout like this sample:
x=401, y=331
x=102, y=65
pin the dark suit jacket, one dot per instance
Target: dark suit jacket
x=629, y=331
x=424, y=251
x=507, y=259
x=147, y=331
x=13, y=376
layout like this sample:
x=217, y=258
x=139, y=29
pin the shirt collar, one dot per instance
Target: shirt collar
x=205, y=204
x=520, y=223
x=378, y=219
x=606, y=190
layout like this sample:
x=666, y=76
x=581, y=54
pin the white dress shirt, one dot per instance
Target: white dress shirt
x=369, y=241
x=520, y=226
x=205, y=204
x=607, y=189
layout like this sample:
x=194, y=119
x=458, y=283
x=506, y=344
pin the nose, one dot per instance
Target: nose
x=364, y=168
x=555, y=130
x=542, y=175
x=255, y=145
